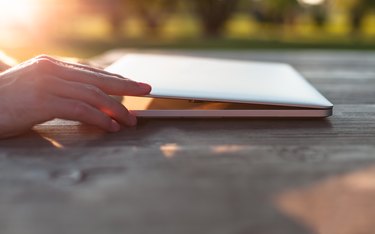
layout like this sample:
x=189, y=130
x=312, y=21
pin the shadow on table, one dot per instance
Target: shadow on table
x=232, y=131
x=29, y=140
x=152, y=131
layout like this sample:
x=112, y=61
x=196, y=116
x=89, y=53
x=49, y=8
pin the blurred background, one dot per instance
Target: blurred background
x=84, y=28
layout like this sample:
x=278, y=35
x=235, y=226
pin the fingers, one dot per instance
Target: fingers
x=107, y=82
x=93, y=96
x=77, y=65
x=70, y=109
x=43, y=89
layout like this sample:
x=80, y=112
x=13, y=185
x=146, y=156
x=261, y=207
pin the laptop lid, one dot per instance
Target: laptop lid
x=191, y=78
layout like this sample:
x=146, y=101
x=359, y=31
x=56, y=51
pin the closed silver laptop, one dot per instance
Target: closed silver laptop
x=200, y=87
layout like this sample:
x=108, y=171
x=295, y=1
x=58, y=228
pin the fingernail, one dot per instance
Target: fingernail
x=115, y=127
x=145, y=86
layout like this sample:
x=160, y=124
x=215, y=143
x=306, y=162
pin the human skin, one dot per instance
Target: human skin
x=45, y=88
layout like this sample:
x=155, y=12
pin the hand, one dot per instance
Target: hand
x=44, y=88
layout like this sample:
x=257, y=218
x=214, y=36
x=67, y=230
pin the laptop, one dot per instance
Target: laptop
x=191, y=87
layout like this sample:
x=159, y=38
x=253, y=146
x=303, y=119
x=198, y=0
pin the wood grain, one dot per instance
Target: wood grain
x=202, y=176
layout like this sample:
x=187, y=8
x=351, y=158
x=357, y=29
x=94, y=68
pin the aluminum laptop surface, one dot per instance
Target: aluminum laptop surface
x=200, y=87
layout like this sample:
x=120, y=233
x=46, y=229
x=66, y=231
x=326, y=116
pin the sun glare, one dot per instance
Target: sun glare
x=17, y=19
x=312, y=2
x=15, y=12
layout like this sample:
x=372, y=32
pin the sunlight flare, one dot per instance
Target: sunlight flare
x=312, y=2
x=15, y=12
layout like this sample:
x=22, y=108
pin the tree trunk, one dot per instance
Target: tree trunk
x=214, y=14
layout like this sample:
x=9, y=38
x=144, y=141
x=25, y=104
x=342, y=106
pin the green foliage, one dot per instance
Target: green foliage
x=281, y=5
x=153, y=12
x=213, y=14
x=358, y=12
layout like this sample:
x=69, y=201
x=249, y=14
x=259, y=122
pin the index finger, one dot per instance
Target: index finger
x=77, y=65
x=110, y=83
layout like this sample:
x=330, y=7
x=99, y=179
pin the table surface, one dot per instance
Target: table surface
x=205, y=176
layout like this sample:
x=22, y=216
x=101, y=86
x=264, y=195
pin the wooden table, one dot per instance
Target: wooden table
x=205, y=176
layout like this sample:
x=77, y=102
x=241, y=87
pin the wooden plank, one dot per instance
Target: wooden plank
x=200, y=176
x=351, y=124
